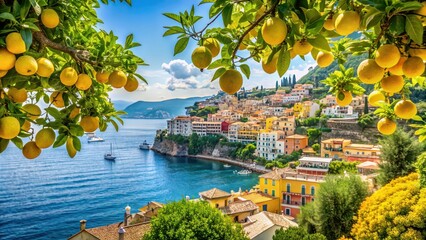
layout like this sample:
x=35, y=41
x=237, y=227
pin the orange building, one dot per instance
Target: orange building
x=295, y=143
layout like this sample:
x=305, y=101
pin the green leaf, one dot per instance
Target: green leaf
x=283, y=61
x=397, y=25
x=172, y=16
x=227, y=14
x=417, y=118
x=54, y=112
x=24, y=9
x=246, y=70
x=60, y=140
x=414, y=28
x=114, y=124
x=27, y=36
x=76, y=130
x=36, y=6
x=320, y=42
x=129, y=40
x=341, y=96
x=30, y=25
x=173, y=30
x=181, y=45
x=3, y=144
x=77, y=143
x=18, y=142
x=8, y=16
x=218, y=73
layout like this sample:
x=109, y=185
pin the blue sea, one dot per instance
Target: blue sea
x=46, y=198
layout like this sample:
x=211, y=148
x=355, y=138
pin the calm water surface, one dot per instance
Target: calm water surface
x=47, y=197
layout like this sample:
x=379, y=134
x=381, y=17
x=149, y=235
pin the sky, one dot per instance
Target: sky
x=173, y=76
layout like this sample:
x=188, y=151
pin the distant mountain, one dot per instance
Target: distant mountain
x=121, y=105
x=162, y=109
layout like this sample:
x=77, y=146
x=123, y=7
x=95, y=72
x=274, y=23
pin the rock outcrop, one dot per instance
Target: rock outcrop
x=169, y=147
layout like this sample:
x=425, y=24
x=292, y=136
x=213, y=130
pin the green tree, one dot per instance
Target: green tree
x=296, y=233
x=366, y=120
x=247, y=153
x=316, y=147
x=276, y=85
x=193, y=220
x=399, y=152
x=339, y=167
x=336, y=204
x=314, y=135
x=273, y=164
x=42, y=39
x=421, y=168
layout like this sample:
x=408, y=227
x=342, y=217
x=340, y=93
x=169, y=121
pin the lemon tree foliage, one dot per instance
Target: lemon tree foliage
x=52, y=54
x=275, y=31
x=396, y=211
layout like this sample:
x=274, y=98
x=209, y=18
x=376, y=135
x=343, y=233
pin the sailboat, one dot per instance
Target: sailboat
x=110, y=155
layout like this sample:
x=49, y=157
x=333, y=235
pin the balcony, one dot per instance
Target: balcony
x=334, y=149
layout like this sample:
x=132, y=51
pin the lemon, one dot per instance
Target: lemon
x=405, y=109
x=14, y=43
x=57, y=100
x=329, y=23
x=45, y=138
x=302, y=47
x=17, y=95
x=387, y=56
x=132, y=84
x=413, y=67
x=32, y=111
x=386, y=126
x=26, y=126
x=201, y=57
x=26, y=65
x=7, y=59
x=375, y=97
x=347, y=99
x=84, y=82
x=270, y=67
x=70, y=147
x=49, y=18
x=9, y=127
x=274, y=31
x=397, y=69
x=102, y=76
x=422, y=11
x=117, y=79
x=89, y=124
x=418, y=52
x=3, y=73
x=392, y=83
x=324, y=59
x=231, y=81
x=347, y=23
x=369, y=72
x=31, y=150
x=68, y=76
x=45, y=67
x=74, y=112
x=213, y=45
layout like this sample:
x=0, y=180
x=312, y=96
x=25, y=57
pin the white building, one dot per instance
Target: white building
x=267, y=146
x=262, y=226
x=288, y=98
x=206, y=128
x=180, y=125
x=338, y=111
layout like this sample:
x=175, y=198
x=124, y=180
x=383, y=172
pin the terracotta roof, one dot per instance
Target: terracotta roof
x=110, y=232
x=369, y=165
x=239, y=207
x=274, y=174
x=214, y=193
x=297, y=136
x=262, y=221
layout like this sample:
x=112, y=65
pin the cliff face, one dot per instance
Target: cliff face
x=350, y=129
x=171, y=148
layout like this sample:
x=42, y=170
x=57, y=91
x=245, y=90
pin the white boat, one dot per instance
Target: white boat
x=144, y=146
x=226, y=165
x=110, y=155
x=243, y=172
x=91, y=137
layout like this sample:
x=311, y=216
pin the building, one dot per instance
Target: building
x=344, y=149
x=180, y=125
x=267, y=146
x=215, y=197
x=239, y=210
x=288, y=98
x=295, y=187
x=294, y=142
x=339, y=111
x=334, y=148
x=262, y=226
x=206, y=128
x=243, y=132
x=285, y=124
x=329, y=101
x=264, y=201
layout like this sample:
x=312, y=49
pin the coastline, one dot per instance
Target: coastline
x=257, y=168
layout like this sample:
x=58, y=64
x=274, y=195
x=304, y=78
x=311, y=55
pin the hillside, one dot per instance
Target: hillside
x=120, y=104
x=161, y=109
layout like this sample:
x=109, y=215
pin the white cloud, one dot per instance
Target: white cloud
x=180, y=69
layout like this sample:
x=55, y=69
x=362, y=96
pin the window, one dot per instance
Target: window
x=303, y=190
x=273, y=193
x=266, y=191
x=312, y=190
x=266, y=181
x=288, y=187
x=287, y=211
x=265, y=207
x=273, y=182
x=303, y=201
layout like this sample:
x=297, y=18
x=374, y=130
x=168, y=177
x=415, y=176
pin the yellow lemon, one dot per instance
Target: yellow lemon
x=9, y=127
x=89, y=124
x=7, y=59
x=26, y=65
x=132, y=84
x=74, y=112
x=231, y=81
x=84, y=82
x=347, y=23
x=274, y=31
x=3, y=73
x=201, y=57
x=375, y=97
x=324, y=59
x=418, y=52
x=45, y=138
x=347, y=98
x=70, y=147
x=30, y=150
x=387, y=56
x=329, y=23
x=392, y=83
x=57, y=100
x=386, y=126
x=397, y=69
x=17, y=95
x=213, y=45
x=413, y=67
x=49, y=18
x=45, y=67
x=26, y=126
x=68, y=76
x=14, y=43
x=270, y=67
x=369, y=72
x=117, y=79
x=302, y=47
x=32, y=111
x=405, y=109
x=102, y=76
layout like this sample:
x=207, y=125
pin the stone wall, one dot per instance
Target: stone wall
x=349, y=129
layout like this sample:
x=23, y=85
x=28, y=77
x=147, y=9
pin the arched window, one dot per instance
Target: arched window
x=288, y=187
x=303, y=190
x=312, y=190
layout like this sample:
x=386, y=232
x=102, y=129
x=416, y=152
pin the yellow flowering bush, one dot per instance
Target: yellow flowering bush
x=396, y=211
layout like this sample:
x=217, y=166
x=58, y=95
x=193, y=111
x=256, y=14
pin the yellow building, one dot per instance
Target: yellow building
x=297, y=108
x=215, y=197
x=265, y=202
x=344, y=149
x=334, y=147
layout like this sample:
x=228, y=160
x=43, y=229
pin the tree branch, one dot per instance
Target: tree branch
x=78, y=55
x=240, y=40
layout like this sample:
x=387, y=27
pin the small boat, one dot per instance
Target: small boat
x=91, y=137
x=144, y=146
x=243, y=172
x=110, y=156
x=227, y=166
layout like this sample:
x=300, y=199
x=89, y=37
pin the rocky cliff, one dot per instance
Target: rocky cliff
x=169, y=147
x=349, y=129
